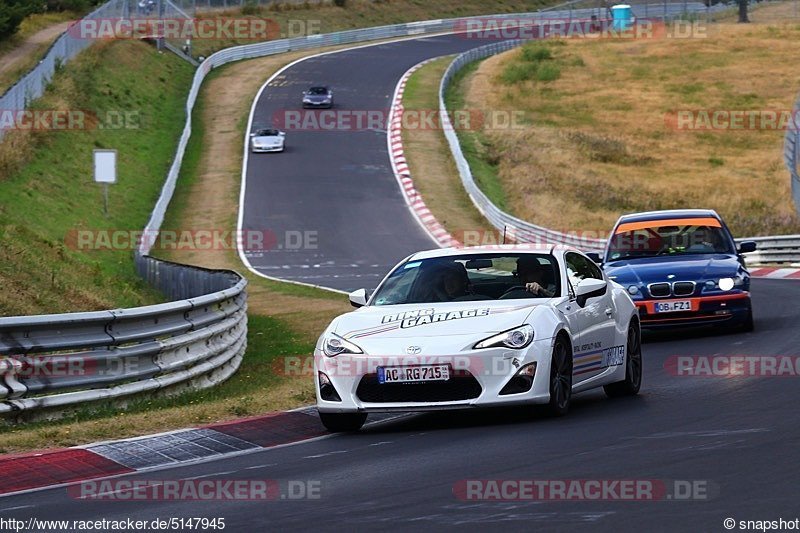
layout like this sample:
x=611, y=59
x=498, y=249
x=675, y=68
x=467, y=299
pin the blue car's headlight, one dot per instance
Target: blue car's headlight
x=516, y=338
x=727, y=283
x=333, y=345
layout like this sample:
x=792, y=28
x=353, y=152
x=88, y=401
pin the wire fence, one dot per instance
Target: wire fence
x=33, y=84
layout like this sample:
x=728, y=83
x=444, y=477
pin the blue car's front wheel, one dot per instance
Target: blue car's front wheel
x=747, y=323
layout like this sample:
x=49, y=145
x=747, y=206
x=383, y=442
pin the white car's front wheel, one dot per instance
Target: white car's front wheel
x=560, y=378
x=633, y=366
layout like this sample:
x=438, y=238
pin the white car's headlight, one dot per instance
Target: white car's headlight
x=333, y=345
x=516, y=338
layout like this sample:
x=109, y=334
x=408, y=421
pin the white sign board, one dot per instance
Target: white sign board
x=105, y=166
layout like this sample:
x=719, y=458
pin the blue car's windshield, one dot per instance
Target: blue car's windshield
x=668, y=237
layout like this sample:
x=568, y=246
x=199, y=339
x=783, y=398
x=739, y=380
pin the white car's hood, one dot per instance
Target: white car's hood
x=434, y=319
x=271, y=139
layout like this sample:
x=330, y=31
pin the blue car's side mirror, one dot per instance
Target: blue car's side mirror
x=594, y=256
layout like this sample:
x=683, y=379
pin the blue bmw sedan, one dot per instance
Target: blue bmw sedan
x=681, y=268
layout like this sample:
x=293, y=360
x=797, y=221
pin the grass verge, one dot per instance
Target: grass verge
x=476, y=145
x=47, y=193
x=432, y=167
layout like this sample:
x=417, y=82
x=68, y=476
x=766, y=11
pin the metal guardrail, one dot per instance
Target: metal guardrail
x=57, y=361
x=791, y=150
x=776, y=250
x=783, y=249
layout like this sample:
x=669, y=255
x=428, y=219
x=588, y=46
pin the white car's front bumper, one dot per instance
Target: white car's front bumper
x=259, y=149
x=477, y=379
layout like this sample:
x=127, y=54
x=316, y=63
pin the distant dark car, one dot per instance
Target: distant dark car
x=681, y=268
x=318, y=97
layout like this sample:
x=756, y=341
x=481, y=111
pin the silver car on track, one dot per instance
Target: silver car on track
x=267, y=140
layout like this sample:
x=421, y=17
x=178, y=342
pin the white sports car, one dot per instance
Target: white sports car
x=477, y=327
x=267, y=140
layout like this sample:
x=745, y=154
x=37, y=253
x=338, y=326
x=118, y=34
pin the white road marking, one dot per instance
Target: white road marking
x=16, y=508
x=324, y=454
x=256, y=467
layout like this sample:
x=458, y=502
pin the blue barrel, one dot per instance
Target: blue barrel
x=622, y=16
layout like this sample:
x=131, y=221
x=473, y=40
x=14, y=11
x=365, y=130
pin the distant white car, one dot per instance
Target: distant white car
x=476, y=327
x=267, y=140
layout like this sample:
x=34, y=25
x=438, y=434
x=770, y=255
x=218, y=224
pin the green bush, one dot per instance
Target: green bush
x=548, y=72
x=12, y=13
x=536, y=53
x=517, y=72
x=78, y=6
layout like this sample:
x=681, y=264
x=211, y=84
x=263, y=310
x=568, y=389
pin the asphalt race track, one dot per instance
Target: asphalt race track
x=733, y=435
x=336, y=189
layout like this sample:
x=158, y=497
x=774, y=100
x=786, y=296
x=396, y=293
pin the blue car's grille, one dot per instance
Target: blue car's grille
x=659, y=290
x=683, y=288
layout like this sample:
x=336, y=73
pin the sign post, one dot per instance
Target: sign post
x=105, y=172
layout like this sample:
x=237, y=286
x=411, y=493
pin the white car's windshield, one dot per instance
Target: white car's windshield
x=318, y=91
x=471, y=277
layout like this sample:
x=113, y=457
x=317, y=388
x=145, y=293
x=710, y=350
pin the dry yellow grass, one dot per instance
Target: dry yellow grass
x=596, y=143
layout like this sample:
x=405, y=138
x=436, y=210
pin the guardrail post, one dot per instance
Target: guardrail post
x=9, y=369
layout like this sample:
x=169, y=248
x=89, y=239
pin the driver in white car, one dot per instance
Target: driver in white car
x=534, y=276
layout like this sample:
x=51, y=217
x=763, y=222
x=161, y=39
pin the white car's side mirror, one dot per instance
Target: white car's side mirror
x=252, y=135
x=282, y=133
x=590, y=288
x=358, y=298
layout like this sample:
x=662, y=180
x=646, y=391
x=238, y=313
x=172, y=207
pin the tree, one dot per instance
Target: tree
x=743, y=11
x=12, y=13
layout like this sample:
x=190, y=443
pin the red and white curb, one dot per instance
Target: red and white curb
x=33, y=471
x=775, y=273
x=401, y=171
x=66, y=466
